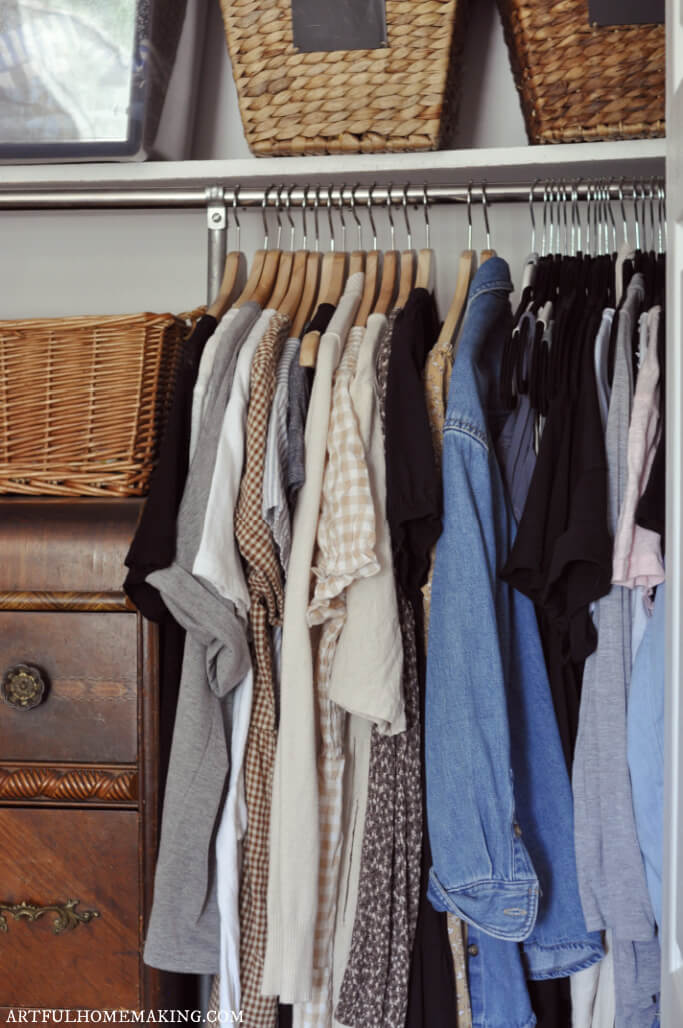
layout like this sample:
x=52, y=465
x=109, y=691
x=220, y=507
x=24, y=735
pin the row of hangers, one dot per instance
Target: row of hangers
x=296, y=282
x=539, y=362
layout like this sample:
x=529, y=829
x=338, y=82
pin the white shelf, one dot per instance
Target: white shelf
x=632, y=159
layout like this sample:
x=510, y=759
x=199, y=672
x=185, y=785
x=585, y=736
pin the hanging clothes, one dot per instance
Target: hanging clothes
x=267, y=601
x=637, y=560
x=219, y=559
x=293, y=871
x=298, y=399
x=438, y=370
x=368, y=668
x=374, y=986
x=562, y=553
x=183, y=931
x=377, y=959
x=345, y=552
x=485, y=660
x=275, y=507
x=153, y=545
x=645, y=747
x=603, y=803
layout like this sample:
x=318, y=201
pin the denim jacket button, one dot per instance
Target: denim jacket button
x=473, y=949
x=517, y=830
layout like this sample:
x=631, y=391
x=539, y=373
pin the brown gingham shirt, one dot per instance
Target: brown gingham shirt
x=266, y=593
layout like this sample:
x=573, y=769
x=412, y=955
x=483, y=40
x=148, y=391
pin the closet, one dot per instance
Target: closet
x=65, y=250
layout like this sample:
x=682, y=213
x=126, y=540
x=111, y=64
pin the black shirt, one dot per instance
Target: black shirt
x=299, y=388
x=414, y=495
x=153, y=546
x=562, y=554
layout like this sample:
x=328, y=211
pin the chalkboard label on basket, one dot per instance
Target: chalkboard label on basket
x=626, y=12
x=339, y=25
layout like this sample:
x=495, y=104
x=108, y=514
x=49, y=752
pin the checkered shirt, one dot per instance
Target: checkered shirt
x=267, y=602
x=345, y=552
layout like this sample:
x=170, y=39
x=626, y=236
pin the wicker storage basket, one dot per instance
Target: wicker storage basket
x=398, y=98
x=83, y=402
x=578, y=82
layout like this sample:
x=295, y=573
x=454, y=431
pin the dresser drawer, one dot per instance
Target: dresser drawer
x=90, y=665
x=50, y=857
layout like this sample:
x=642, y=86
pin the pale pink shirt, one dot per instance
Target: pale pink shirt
x=637, y=559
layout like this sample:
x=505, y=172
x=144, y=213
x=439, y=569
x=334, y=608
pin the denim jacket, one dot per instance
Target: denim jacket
x=499, y=802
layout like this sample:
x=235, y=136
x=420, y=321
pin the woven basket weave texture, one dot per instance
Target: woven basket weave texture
x=581, y=83
x=398, y=98
x=83, y=402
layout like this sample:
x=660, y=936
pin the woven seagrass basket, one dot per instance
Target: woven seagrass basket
x=579, y=82
x=83, y=402
x=399, y=98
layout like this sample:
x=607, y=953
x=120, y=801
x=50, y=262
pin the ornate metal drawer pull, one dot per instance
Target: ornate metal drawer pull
x=23, y=687
x=67, y=916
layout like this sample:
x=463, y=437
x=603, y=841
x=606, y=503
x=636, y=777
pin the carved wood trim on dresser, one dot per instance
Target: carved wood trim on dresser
x=79, y=744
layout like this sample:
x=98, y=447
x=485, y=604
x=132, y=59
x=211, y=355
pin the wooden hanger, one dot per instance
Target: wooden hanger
x=407, y=263
x=235, y=265
x=424, y=276
x=387, y=287
x=332, y=280
x=263, y=271
x=281, y=285
x=308, y=296
x=233, y=271
x=406, y=278
x=372, y=266
x=290, y=305
x=311, y=277
x=284, y=270
x=367, y=299
x=357, y=257
x=466, y=268
x=390, y=270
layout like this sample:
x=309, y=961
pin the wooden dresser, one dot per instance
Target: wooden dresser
x=78, y=760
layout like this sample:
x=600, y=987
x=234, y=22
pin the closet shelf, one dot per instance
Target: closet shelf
x=638, y=159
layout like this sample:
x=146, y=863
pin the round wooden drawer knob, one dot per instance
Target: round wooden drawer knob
x=23, y=687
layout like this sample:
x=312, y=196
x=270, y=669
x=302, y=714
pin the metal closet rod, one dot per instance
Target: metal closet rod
x=55, y=199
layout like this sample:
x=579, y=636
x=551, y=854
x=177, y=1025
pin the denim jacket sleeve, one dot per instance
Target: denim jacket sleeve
x=481, y=869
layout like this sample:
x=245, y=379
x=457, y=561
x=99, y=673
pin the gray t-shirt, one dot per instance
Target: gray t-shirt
x=183, y=933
